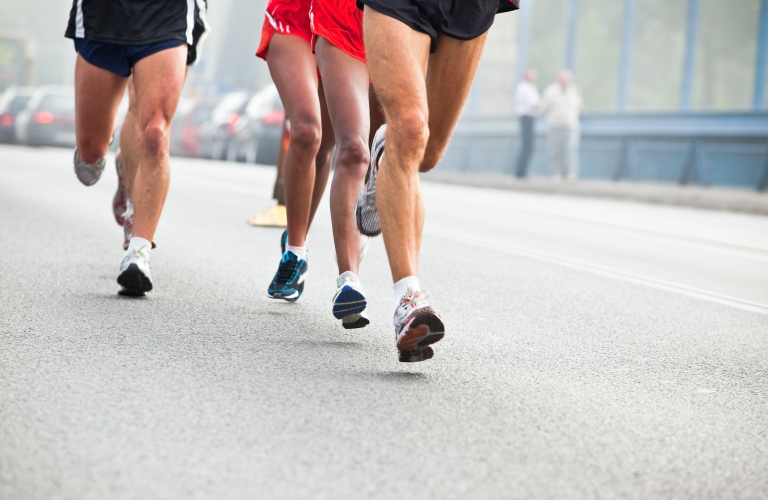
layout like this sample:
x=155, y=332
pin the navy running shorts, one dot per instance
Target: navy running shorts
x=118, y=58
x=460, y=19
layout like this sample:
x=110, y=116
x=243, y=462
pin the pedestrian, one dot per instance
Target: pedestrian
x=150, y=42
x=423, y=56
x=335, y=27
x=560, y=106
x=525, y=106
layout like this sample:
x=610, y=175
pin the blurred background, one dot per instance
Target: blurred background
x=673, y=90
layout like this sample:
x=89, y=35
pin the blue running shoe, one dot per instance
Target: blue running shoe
x=283, y=241
x=349, y=302
x=288, y=283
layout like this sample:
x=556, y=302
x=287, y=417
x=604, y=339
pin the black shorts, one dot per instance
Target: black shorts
x=117, y=58
x=460, y=19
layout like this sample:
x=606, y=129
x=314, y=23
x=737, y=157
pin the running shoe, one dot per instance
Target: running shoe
x=417, y=324
x=127, y=224
x=349, y=302
x=88, y=173
x=119, y=200
x=366, y=213
x=415, y=355
x=288, y=283
x=283, y=242
x=135, y=274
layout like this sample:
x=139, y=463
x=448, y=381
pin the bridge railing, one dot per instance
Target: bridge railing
x=717, y=149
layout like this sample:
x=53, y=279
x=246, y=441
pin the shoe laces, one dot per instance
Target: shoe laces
x=410, y=301
x=287, y=269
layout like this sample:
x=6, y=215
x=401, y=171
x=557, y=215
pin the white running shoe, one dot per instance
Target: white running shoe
x=417, y=324
x=349, y=302
x=135, y=274
x=366, y=213
x=88, y=173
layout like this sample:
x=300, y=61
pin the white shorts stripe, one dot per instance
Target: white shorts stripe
x=190, y=20
x=79, y=25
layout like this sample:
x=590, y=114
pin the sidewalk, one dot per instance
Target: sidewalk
x=715, y=198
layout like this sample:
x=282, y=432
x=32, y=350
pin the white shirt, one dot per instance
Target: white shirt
x=526, y=99
x=561, y=108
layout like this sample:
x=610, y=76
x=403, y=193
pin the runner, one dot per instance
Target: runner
x=149, y=41
x=289, y=37
x=423, y=55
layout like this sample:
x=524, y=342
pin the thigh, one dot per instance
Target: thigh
x=452, y=69
x=294, y=71
x=397, y=61
x=97, y=96
x=345, y=83
x=158, y=80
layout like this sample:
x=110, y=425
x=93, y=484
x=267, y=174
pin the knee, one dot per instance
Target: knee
x=353, y=153
x=431, y=157
x=306, y=135
x=409, y=132
x=156, y=139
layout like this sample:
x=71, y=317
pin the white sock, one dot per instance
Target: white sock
x=301, y=252
x=138, y=243
x=402, y=286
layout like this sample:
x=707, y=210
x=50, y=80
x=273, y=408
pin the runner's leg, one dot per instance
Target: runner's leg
x=345, y=81
x=294, y=71
x=158, y=80
x=397, y=60
x=324, y=156
x=129, y=141
x=97, y=96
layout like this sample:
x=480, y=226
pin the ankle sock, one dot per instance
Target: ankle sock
x=137, y=243
x=301, y=252
x=402, y=286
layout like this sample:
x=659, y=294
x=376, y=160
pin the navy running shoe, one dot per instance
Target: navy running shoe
x=288, y=283
x=349, y=302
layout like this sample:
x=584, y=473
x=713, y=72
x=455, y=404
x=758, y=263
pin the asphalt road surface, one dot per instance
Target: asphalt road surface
x=595, y=349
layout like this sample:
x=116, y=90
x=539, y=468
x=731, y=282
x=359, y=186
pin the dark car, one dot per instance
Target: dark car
x=218, y=133
x=12, y=102
x=259, y=131
x=49, y=118
x=186, y=129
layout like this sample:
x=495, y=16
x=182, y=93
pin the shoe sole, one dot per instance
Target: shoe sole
x=133, y=280
x=425, y=329
x=359, y=222
x=349, y=302
x=416, y=355
x=354, y=321
x=279, y=295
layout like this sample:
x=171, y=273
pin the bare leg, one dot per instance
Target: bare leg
x=129, y=141
x=97, y=97
x=294, y=71
x=324, y=157
x=377, y=114
x=421, y=107
x=158, y=80
x=345, y=80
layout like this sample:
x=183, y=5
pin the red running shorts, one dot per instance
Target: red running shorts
x=287, y=17
x=341, y=23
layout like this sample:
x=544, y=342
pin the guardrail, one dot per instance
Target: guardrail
x=718, y=149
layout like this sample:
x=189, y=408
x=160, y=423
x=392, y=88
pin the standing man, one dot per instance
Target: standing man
x=526, y=103
x=422, y=56
x=561, y=105
x=148, y=41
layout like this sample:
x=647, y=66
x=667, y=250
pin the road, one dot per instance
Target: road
x=595, y=349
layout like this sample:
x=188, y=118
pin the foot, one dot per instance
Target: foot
x=417, y=324
x=349, y=302
x=415, y=355
x=88, y=173
x=127, y=224
x=119, y=200
x=288, y=282
x=366, y=213
x=135, y=274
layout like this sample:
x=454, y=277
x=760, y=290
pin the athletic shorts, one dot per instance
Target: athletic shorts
x=460, y=19
x=287, y=17
x=341, y=23
x=118, y=58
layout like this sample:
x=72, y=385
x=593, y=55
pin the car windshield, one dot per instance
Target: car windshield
x=201, y=114
x=231, y=104
x=262, y=103
x=18, y=103
x=57, y=104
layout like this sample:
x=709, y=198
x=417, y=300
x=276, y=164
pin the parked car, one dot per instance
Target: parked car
x=49, y=118
x=217, y=134
x=186, y=128
x=12, y=102
x=259, y=132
